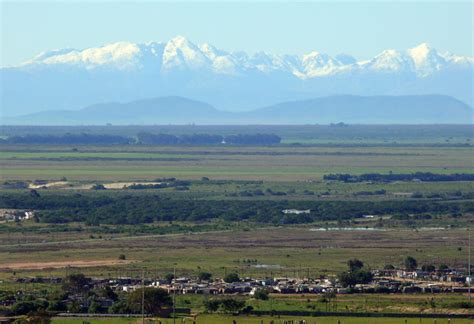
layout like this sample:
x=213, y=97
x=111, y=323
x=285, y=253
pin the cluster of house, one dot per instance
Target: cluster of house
x=15, y=215
x=448, y=276
x=452, y=282
x=385, y=281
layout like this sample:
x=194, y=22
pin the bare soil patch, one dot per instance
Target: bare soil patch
x=121, y=185
x=55, y=185
x=61, y=264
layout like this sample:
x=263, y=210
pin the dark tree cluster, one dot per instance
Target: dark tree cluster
x=173, y=183
x=104, y=207
x=417, y=176
x=249, y=139
x=144, y=138
x=207, y=139
x=355, y=275
x=78, y=294
x=69, y=139
x=228, y=305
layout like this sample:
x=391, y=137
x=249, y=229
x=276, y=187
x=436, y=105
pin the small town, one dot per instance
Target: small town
x=384, y=281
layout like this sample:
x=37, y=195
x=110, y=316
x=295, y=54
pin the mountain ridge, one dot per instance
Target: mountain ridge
x=125, y=71
x=180, y=52
x=427, y=109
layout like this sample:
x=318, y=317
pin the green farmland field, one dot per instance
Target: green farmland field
x=256, y=163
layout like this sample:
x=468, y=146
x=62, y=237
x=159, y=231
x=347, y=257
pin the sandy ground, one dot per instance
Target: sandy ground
x=120, y=185
x=114, y=185
x=60, y=264
x=56, y=184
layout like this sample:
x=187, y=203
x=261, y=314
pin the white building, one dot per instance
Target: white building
x=296, y=211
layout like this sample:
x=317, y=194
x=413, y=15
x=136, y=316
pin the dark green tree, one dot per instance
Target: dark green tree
x=169, y=277
x=355, y=275
x=232, y=277
x=57, y=306
x=107, y=292
x=24, y=307
x=204, y=276
x=76, y=283
x=428, y=267
x=410, y=263
x=211, y=305
x=355, y=264
x=261, y=294
x=94, y=306
x=443, y=267
x=231, y=305
x=74, y=307
x=155, y=300
x=119, y=307
x=346, y=279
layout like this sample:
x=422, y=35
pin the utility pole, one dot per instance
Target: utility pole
x=469, y=264
x=143, y=296
x=174, y=296
x=271, y=305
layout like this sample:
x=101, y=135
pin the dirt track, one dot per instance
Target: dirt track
x=60, y=264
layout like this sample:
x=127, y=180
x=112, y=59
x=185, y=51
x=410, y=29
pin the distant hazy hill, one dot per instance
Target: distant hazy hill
x=125, y=71
x=429, y=109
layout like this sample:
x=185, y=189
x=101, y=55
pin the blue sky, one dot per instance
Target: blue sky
x=362, y=29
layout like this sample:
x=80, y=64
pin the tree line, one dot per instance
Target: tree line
x=66, y=139
x=207, y=139
x=128, y=208
x=145, y=139
x=417, y=176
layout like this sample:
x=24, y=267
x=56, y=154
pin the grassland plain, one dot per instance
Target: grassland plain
x=279, y=163
x=30, y=249
x=378, y=303
x=287, y=251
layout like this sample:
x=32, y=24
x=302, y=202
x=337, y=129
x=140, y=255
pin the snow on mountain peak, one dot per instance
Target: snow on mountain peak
x=421, y=50
x=121, y=55
x=181, y=54
x=179, y=40
x=55, y=52
x=390, y=61
x=209, y=50
x=319, y=64
x=426, y=59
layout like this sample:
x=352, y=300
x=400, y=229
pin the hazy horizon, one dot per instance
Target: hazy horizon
x=362, y=29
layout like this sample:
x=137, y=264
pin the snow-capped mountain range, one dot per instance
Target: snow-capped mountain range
x=124, y=71
x=180, y=54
